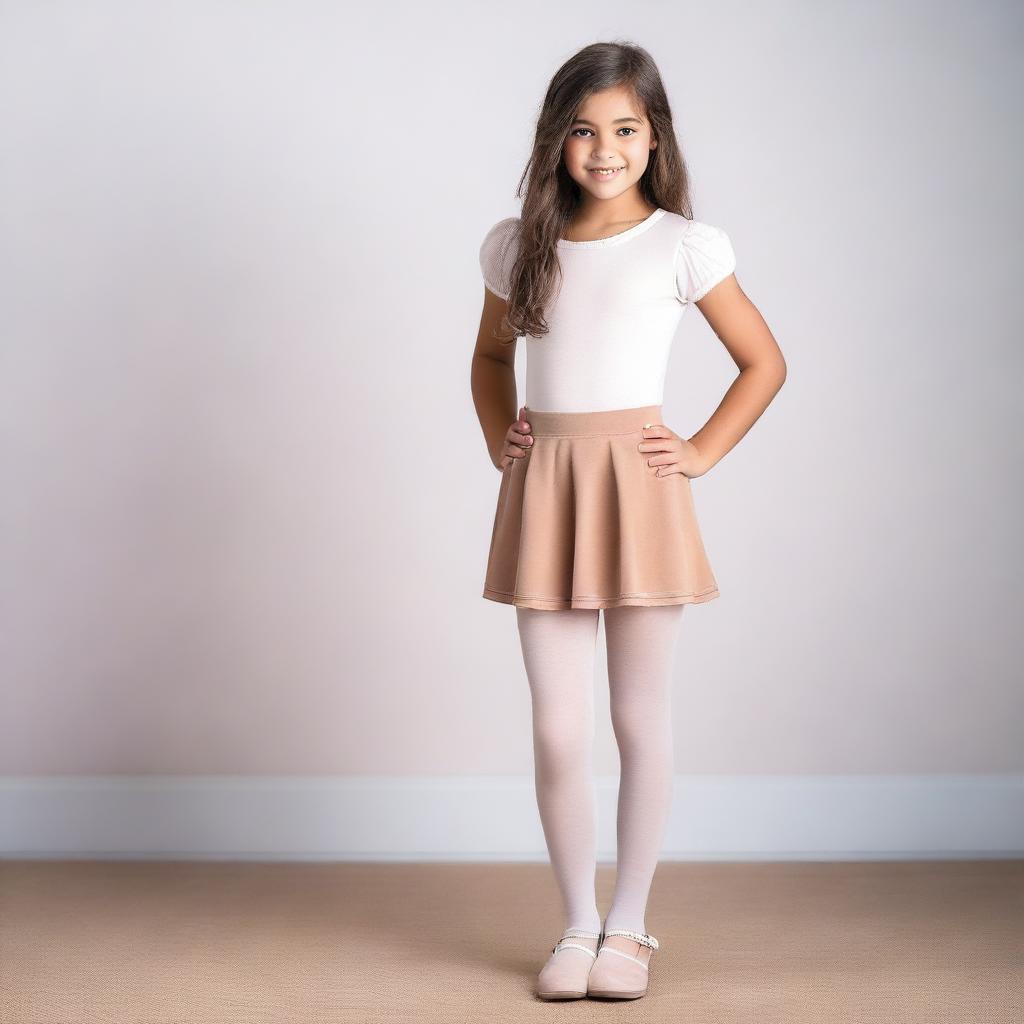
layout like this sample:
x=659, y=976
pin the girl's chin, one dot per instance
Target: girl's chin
x=604, y=189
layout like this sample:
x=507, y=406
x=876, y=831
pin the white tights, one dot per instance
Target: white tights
x=558, y=653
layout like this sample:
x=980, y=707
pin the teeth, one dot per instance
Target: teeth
x=606, y=172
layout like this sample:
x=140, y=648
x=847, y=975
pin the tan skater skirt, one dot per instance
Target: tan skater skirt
x=583, y=522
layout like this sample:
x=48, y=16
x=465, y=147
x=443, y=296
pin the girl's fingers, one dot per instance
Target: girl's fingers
x=518, y=438
x=524, y=440
x=664, y=468
x=668, y=459
x=658, y=438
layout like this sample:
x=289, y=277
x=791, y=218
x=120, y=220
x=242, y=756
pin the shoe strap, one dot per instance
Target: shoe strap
x=576, y=933
x=559, y=946
x=612, y=949
x=642, y=937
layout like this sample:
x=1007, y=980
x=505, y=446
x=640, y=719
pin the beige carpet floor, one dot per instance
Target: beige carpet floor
x=226, y=943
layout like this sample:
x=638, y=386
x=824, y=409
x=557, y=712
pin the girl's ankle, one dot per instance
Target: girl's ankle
x=582, y=923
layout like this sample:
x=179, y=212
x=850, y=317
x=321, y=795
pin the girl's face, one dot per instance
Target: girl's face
x=609, y=132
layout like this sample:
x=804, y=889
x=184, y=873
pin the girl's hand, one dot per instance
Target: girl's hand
x=517, y=440
x=677, y=454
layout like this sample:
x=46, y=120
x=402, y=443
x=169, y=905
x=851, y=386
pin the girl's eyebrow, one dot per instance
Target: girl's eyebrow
x=618, y=120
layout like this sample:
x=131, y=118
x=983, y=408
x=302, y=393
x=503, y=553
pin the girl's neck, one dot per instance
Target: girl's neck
x=603, y=217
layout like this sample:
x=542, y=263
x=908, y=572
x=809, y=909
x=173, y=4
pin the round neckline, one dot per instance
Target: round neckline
x=622, y=236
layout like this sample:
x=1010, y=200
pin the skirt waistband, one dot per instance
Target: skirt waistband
x=604, y=421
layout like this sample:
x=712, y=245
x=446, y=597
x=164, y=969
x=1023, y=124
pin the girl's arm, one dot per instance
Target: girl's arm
x=493, y=378
x=742, y=330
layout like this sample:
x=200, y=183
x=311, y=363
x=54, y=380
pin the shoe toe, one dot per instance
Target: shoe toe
x=616, y=977
x=565, y=976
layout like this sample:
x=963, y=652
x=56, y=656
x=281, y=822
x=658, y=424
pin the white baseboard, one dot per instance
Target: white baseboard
x=494, y=818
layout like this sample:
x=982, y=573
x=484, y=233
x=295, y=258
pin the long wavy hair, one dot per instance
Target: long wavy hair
x=551, y=196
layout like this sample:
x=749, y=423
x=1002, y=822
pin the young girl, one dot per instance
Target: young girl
x=595, y=508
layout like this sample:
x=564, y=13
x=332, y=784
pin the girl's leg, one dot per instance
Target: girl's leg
x=558, y=652
x=641, y=644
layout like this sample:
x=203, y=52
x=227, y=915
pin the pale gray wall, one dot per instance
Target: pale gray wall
x=246, y=504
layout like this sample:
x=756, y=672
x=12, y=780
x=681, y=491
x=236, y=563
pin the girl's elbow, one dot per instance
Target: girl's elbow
x=776, y=366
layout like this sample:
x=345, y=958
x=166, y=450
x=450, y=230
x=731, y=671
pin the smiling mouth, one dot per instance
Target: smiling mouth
x=605, y=172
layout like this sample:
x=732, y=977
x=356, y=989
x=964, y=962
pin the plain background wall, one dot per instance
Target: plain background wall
x=246, y=501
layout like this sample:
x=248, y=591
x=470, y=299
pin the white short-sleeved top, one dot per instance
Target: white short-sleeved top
x=613, y=318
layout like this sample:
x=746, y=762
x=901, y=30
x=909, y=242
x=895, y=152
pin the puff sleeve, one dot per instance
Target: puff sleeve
x=704, y=257
x=498, y=255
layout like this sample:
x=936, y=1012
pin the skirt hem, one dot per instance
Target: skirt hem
x=644, y=600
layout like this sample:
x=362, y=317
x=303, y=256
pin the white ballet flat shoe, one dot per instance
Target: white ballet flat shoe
x=565, y=974
x=621, y=975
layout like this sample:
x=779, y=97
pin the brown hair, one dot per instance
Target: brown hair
x=551, y=195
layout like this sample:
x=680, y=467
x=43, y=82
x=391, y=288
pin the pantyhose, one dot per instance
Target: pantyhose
x=558, y=652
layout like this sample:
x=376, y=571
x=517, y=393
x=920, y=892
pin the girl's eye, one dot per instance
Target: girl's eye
x=624, y=128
